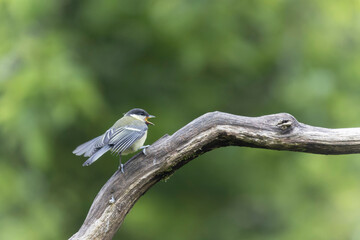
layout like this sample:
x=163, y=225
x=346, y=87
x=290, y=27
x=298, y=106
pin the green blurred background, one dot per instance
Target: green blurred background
x=69, y=69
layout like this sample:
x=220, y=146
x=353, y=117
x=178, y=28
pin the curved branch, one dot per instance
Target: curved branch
x=212, y=130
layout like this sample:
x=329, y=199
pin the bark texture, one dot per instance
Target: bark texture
x=212, y=130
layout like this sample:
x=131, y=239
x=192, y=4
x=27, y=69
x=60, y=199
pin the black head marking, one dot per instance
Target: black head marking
x=137, y=111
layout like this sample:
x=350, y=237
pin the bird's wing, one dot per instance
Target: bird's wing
x=117, y=139
x=123, y=137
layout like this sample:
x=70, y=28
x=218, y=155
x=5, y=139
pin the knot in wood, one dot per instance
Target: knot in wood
x=285, y=125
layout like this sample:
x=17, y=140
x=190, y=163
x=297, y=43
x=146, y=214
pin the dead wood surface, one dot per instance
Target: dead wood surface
x=212, y=130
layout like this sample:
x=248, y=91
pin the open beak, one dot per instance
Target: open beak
x=146, y=119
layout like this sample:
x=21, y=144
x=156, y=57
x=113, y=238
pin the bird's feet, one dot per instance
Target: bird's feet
x=121, y=167
x=144, y=149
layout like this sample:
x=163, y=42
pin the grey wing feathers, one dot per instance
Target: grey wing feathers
x=115, y=140
x=125, y=137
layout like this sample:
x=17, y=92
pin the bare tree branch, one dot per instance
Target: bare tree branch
x=212, y=130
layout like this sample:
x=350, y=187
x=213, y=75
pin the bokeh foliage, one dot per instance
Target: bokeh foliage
x=69, y=69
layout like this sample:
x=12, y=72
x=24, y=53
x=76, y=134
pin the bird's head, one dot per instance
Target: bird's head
x=140, y=114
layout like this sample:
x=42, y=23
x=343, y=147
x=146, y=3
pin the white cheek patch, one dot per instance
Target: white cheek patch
x=138, y=117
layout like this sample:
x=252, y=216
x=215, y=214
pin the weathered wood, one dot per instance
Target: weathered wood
x=212, y=130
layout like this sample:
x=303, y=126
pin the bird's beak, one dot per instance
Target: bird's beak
x=146, y=119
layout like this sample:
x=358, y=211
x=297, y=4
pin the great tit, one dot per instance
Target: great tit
x=126, y=136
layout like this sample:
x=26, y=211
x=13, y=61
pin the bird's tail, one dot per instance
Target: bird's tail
x=88, y=148
x=96, y=155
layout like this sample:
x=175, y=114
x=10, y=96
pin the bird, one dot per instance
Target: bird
x=127, y=135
